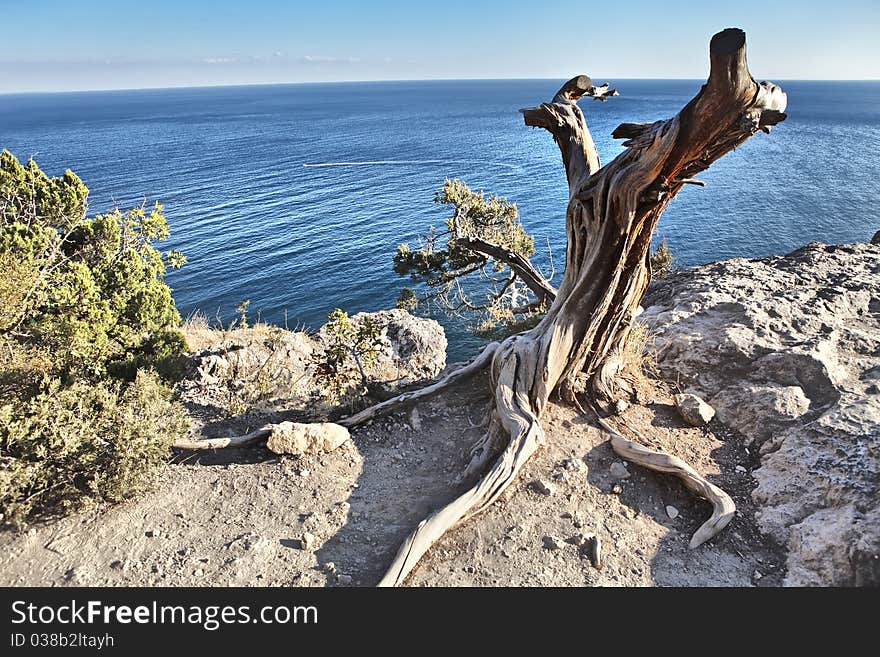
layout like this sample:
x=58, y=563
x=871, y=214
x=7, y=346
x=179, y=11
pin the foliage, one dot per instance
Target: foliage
x=351, y=347
x=454, y=272
x=661, y=261
x=85, y=442
x=241, y=309
x=84, y=313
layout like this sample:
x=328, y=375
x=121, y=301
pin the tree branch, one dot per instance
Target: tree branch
x=565, y=121
x=521, y=265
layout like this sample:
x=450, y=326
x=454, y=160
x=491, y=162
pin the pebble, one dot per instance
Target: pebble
x=616, y=489
x=553, y=543
x=152, y=533
x=620, y=406
x=544, y=487
x=739, y=468
x=330, y=567
x=672, y=512
x=618, y=470
x=415, y=420
x=758, y=574
x=345, y=580
x=117, y=565
x=307, y=542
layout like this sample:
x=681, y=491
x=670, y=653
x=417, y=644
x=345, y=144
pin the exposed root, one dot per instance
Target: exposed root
x=220, y=443
x=518, y=419
x=476, y=365
x=480, y=362
x=723, y=507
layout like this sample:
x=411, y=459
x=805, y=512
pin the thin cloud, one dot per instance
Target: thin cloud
x=321, y=59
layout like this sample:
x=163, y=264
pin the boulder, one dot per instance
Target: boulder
x=299, y=439
x=694, y=410
x=787, y=350
x=265, y=368
x=411, y=349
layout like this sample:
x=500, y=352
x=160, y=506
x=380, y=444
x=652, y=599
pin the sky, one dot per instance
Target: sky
x=60, y=45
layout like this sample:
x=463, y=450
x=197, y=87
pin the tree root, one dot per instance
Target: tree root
x=221, y=443
x=723, y=507
x=477, y=364
x=522, y=424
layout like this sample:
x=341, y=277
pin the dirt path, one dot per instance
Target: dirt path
x=238, y=517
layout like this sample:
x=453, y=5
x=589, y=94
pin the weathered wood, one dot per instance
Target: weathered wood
x=611, y=216
x=544, y=292
x=222, y=443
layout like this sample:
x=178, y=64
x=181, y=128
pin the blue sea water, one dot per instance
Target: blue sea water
x=296, y=196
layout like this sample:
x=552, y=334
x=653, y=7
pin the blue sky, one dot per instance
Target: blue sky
x=54, y=45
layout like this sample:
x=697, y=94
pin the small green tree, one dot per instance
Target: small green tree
x=84, y=314
x=479, y=264
x=662, y=261
x=351, y=347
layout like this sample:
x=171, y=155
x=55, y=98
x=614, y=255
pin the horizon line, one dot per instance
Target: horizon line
x=329, y=82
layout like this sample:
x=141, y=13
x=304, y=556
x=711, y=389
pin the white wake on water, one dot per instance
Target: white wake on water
x=408, y=162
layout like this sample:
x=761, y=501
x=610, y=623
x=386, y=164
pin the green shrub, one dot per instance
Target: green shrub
x=661, y=261
x=72, y=445
x=86, y=318
x=350, y=348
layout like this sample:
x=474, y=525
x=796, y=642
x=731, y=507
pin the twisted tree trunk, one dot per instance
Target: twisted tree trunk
x=611, y=215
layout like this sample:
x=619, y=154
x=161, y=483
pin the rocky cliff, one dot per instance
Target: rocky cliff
x=787, y=351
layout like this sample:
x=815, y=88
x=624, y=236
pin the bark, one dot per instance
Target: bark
x=544, y=292
x=611, y=215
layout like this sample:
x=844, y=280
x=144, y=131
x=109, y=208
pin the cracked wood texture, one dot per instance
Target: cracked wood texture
x=611, y=215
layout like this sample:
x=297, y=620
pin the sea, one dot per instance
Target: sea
x=295, y=197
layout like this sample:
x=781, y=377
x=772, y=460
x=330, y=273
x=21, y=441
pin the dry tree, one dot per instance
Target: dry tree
x=576, y=350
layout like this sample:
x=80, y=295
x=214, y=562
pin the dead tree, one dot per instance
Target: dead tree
x=611, y=215
x=577, y=348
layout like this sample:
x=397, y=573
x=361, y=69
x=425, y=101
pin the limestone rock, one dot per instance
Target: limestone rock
x=299, y=439
x=787, y=349
x=266, y=368
x=694, y=410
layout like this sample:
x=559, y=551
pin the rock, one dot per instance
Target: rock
x=330, y=567
x=760, y=411
x=553, y=543
x=672, y=512
x=618, y=470
x=153, y=533
x=300, y=439
x=786, y=348
x=117, y=565
x=740, y=469
x=876, y=238
x=415, y=419
x=544, y=487
x=222, y=371
x=251, y=541
x=411, y=349
x=616, y=489
x=344, y=580
x=694, y=410
x=307, y=542
x=620, y=406
x=573, y=465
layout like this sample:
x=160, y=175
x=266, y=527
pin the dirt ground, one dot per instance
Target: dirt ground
x=238, y=517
